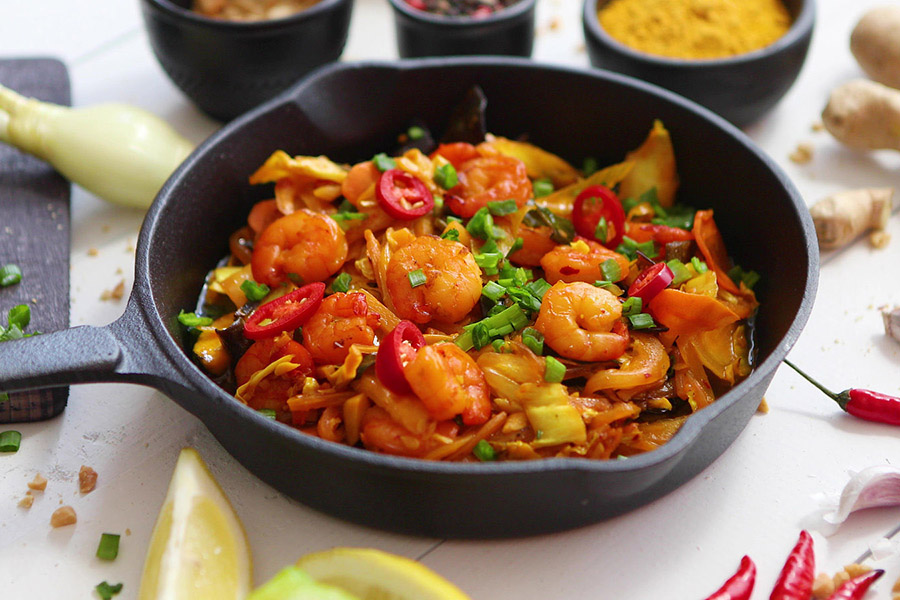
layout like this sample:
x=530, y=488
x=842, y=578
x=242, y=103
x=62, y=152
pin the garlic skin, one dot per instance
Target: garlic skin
x=120, y=153
x=872, y=487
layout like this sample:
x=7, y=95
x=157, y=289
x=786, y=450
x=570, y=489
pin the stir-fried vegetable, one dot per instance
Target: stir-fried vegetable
x=479, y=300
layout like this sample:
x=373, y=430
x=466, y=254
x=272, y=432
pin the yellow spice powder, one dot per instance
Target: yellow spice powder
x=695, y=28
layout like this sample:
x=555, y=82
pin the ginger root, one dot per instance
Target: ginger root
x=842, y=217
x=875, y=43
x=864, y=115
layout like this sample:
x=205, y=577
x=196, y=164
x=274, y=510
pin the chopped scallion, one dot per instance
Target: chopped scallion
x=193, y=319
x=498, y=208
x=554, y=371
x=632, y=306
x=699, y=265
x=542, y=187
x=534, y=339
x=517, y=245
x=609, y=286
x=445, y=176
x=254, y=291
x=497, y=345
x=493, y=290
x=451, y=234
x=341, y=283
x=383, y=162
x=107, y=590
x=483, y=451
x=538, y=288
x=417, y=278
x=750, y=278
x=481, y=225
x=10, y=441
x=589, y=166
x=415, y=132
x=20, y=316
x=641, y=321
x=601, y=232
x=679, y=270
x=611, y=270
x=268, y=413
x=10, y=275
x=108, y=549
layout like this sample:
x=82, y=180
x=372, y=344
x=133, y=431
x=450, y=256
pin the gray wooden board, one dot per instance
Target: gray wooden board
x=34, y=231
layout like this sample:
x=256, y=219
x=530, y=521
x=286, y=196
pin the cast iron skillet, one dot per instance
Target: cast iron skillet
x=350, y=112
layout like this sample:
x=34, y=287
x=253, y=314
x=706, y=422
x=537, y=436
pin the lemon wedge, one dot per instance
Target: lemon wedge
x=198, y=550
x=374, y=575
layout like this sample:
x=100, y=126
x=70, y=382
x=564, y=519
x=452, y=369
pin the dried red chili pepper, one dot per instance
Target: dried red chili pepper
x=740, y=585
x=863, y=404
x=856, y=588
x=796, y=579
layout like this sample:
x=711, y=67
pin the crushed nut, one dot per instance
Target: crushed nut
x=763, y=407
x=87, y=479
x=93, y=252
x=27, y=500
x=62, y=516
x=879, y=239
x=818, y=126
x=38, y=483
x=803, y=154
x=114, y=294
x=824, y=585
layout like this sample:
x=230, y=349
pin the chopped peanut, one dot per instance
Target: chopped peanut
x=87, y=479
x=27, y=500
x=803, y=154
x=62, y=516
x=824, y=585
x=39, y=483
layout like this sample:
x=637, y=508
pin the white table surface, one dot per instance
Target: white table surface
x=752, y=500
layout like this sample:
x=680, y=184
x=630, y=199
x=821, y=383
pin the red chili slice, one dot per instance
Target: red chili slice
x=403, y=196
x=396, y=351
x=651, y=281
x=597, y=202
x=285, y=313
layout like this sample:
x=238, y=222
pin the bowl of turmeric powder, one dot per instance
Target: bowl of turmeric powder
x=735, y=57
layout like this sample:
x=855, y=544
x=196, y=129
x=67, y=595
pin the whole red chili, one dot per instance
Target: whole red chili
x=740, y=585
x=796, y=579
x=856, y=588
x=863, y=404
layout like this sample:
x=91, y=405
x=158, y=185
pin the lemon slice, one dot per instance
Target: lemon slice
x=198, y=550
x=375, y=575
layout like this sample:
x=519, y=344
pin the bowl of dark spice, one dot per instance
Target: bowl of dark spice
x=228, y=56
x=735, y=57
x=464, y=27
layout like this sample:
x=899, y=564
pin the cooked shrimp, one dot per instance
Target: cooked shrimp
x=273, y=391
x=304, y=244
x=448, y=382
x=383, y=434
x=341, y=321
x=582, y=322
x=452, y=284
x=580, y=261
x=488, y=178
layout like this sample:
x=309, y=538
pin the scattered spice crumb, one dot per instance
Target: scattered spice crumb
x=824, y=585
x=63, y=516
x=763, y=407
x=87, y=479
x=555, y=24
x=93, y=252
x=114, y=294
x=26, y=500
x=127, y=531
x=38, y=483
x=879, y=239
x=818, y=126
x=119, y=271
x=803, y=154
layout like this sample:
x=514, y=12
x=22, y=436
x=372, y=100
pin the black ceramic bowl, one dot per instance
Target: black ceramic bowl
x=506, y=32
x=350, y=112
x=741, y=89
x=226, y=68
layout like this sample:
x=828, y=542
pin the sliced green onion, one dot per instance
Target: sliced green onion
x=268, y=413
x=108, y=549
x=481, y=335
x=497, y=345
x=602, y=230
x=488, y=261
x=483, y=451
x=481, y=225
x=632, y=306
x=341, y=283
x=383, y=162
x=415, y=132
x=345, y=218
x=609, y=286
x=611, y=270
x=417, y=278
x=493, y=290
x=538, y=288
x=641, y=321
x=517, y=245
x=10, y=275
x=699, y=265
x=542, y=187
x=679, y=270
x=107, y=590
x=20, y=316
x=254, y=291
x=534, y=339
x=554, y=371
x=4, y=397
x=750, y=278
x=630, y=248
x=513, y=316
x=10, y=441
x=451, y=234
x=525, y=298
x=589, y=166
x=498, y=208
x=445, y=176
x=193, y=320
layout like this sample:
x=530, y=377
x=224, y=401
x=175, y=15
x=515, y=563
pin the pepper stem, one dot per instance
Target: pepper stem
x=827, y=392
